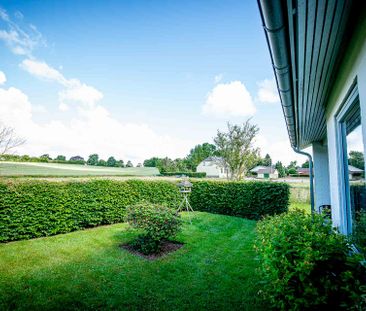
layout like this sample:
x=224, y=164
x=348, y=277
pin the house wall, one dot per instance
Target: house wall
x=353, y=67
x=211, y=170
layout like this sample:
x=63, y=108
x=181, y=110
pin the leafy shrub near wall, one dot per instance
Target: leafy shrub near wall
x=307, y=265
x=189, y=174
x=34, y=208
x=244, y=199
x=40, y=208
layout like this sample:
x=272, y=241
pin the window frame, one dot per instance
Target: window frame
x=351, y=100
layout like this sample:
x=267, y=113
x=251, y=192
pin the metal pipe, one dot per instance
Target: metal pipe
x=311, y=176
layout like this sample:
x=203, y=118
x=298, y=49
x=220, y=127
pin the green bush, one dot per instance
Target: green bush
x=30, y=209
x=307, y=265
x=189, y=174
x=157, y=222
x=244, y=199
x=34, y=208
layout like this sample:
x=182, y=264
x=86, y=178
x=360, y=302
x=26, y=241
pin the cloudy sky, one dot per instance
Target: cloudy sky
x=135, y=79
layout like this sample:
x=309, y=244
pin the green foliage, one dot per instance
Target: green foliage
x=102, y=162
x=199, y=153
x=244, y=199
x=157, y=222
x=129, y=164
x=292, y=171
x=34, y=208
x=305, y=164
x=60, y=158
x=93, y=159
x=236, y=147
x=281, y=169
x=307, y=265
x=189, y=174
x=359, y=232
x=356, y=159
x=111, y=162
x=30, y=209
x=267, y=161
x=120, y=163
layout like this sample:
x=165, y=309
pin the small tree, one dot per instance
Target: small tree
x=45, y=157
x=111, y=162
x=236, y=148
x=93, y=159
x=102, y=162
x=267, y=161
x=8, y=139
x=129, y=164
x=356, y=159
x=60, y=158
x=120, y=163
x=281, y=169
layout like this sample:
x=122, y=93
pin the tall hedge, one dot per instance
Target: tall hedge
x=244, y=199
x=35, y=208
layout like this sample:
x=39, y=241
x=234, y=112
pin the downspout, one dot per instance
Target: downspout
x=273, y=14
x=311, y=176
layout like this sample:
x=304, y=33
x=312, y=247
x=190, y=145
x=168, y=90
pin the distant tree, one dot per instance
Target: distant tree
x=102, y=162
x=267, y=161
x=292, y=171
x=129, y=164
x=152, y=162
x=281, y=169
x=120, y=163
x=305, y=164
x=198, y=154
x=93, y=159
x=8, y=139
x=111, y=162
x=356, y=159
x=60, y=158
x=293, y=164
x=45, y=157
x=236, y=148
x=76, y=158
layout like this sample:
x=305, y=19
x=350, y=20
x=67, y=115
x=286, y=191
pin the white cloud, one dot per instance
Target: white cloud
x=354, y=140
x=267, y=91
x=2, y=77
x=218, y=78
x=279, y=149
x=92, y=129
x=229, y=99
x=21, y=40
x=42, y=70
x=75, y=90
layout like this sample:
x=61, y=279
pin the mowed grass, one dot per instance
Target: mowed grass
x=87, y=270
x=55, y=169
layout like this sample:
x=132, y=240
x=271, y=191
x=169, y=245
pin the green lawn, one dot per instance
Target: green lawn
x=56, y=169
x=214, y=270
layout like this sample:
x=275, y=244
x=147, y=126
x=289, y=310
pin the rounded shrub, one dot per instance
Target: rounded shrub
x=157, y=223
x=307, y=265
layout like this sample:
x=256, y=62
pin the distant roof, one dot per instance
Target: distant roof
x=353, y=169
x=213, y=159
x=267, y=170
x=257, y=168
x=303, y=170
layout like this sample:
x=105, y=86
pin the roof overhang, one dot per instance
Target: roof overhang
x=306, y=40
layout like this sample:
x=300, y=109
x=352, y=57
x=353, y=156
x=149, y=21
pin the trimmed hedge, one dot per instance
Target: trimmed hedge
x=40, y=208
x=34, y=208
x=189, y=174
x=244, y=199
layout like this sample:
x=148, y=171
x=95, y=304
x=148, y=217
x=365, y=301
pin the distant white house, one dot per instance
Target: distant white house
x=354, y=172
x=213, y=167
x=264, y=172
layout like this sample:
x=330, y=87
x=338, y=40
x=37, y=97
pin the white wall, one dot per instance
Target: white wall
x=353, y=67
x=211, y=169
x=321, y=175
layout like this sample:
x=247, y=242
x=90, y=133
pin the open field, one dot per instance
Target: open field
x=88, y=270
x=55, y=169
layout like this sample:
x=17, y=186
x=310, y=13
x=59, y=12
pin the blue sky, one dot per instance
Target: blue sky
x=135, y=79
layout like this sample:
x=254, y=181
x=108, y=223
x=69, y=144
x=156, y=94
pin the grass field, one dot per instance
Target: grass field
x=88, y=270
x=55, y=169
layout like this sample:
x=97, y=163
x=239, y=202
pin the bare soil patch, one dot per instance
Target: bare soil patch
x=166, y=248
